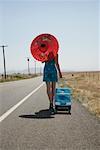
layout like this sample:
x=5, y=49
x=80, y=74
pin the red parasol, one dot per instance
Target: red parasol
x=44, y=47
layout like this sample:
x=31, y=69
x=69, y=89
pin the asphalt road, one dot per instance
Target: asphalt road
x=29, y=126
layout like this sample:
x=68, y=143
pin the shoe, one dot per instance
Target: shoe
x=52, y=111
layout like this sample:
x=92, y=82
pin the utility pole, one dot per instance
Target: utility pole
x=35, y=66
x=40, y=70
x=28, y=65
x=3, y=46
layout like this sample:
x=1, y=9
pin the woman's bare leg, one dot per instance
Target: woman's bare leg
x=53, y=90
x=49, y=91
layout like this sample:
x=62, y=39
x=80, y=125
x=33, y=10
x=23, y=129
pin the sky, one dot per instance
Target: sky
x=75, y=24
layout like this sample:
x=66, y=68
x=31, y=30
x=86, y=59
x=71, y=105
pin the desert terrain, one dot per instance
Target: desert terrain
x=86, y=89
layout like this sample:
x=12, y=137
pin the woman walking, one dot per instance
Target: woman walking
x=44, y=48
x=50, y=76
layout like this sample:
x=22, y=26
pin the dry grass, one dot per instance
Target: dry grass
x=86, y=89
x=18, y=76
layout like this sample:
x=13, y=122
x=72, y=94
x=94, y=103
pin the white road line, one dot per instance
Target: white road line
x=6, y=114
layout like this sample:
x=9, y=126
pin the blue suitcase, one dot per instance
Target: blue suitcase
x=63, y=99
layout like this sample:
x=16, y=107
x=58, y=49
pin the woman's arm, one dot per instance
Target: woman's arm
x=58, y=67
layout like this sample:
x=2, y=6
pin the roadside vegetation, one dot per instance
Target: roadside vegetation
x=86, y=89
x=17, y=76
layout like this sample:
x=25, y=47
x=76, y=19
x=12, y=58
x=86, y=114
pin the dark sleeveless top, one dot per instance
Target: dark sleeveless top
x=50, y=72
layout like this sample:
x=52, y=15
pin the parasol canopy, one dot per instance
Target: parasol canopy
x=44, y=47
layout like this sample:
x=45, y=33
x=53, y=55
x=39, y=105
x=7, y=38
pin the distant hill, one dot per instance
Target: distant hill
x=24, y=71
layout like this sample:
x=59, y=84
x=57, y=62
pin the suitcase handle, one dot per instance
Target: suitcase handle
x=61, y=82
